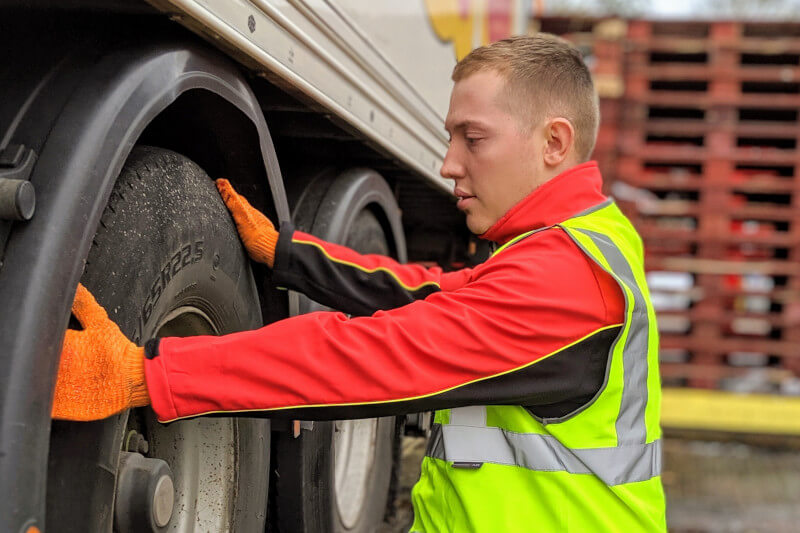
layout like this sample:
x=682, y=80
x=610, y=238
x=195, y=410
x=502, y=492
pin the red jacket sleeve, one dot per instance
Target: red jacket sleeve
x=356, y=284
x=503, y=338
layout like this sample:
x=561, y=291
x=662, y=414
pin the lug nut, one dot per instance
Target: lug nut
x=137, y=443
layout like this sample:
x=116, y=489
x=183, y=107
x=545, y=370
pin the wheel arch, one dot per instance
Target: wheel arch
x=224, y=141
x=105, y=104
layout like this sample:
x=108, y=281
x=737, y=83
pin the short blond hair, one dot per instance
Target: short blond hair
x=545, y=78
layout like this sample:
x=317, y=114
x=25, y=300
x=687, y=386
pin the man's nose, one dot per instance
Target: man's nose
x=452, y=168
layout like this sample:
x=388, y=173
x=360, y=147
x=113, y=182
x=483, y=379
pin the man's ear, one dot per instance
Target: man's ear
x=559, y=136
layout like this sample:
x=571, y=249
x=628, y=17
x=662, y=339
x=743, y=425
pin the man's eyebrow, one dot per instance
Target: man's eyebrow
x=464, y=124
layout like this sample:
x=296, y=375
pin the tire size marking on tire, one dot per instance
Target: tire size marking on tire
x=186, y=255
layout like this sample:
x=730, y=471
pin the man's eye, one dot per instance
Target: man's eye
x=473, y=140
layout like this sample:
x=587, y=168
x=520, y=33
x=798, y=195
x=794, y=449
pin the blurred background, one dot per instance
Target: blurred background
x=698, y=144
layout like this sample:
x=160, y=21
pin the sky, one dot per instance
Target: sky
x=672, y=8
x=693, y=9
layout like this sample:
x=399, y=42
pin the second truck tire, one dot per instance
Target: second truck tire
x=338, y=476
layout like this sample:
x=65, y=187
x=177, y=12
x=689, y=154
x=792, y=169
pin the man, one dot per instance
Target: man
x=542, y=361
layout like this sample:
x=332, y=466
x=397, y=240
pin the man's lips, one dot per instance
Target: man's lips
x=463, y=198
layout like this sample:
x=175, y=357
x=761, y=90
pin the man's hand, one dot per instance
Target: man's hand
x=256, y=231
x=101, y=372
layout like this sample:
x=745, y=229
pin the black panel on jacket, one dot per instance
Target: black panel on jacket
x=306, y=269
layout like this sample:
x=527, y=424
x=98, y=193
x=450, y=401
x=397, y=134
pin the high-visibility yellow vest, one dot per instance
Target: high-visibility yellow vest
x=597, y=469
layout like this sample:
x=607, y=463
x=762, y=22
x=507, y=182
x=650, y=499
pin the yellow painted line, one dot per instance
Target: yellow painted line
x=727, y=411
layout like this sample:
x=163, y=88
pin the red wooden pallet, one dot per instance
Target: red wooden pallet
x=711, y=185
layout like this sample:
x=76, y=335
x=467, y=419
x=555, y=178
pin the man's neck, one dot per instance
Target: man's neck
x=570, y=192
x=551, y=172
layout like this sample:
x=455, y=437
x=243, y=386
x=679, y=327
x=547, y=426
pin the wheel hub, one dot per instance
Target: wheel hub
x=145, y=494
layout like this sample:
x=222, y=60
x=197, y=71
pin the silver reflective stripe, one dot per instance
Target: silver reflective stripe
x=630, y=426
x=473, y=415
x=614, y=466
x=598, y=207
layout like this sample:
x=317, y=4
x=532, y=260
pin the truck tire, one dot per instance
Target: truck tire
x=166, y=261
x=364, y=448
x=337, y=476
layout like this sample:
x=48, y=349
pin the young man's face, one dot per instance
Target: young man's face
x=493, y=161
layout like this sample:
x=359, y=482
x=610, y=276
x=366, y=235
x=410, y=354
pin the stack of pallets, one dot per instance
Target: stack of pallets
x=707, y=167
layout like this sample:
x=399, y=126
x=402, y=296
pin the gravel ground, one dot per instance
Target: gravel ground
x=413, y=450
x=729, y=486
x=711, y=487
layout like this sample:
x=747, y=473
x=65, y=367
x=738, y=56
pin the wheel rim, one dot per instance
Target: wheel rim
x=201, y=452
x=354, y=447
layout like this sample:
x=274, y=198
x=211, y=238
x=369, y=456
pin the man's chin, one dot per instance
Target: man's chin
x=476, y=226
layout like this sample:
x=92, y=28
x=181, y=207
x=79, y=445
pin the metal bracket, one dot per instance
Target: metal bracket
x=17, y=195
x=298, y=425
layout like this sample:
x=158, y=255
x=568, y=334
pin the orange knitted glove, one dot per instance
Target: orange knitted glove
x=101, y=372
x=256, y=231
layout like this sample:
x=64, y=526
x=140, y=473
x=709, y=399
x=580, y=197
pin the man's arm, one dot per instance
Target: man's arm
x=524, y=332
x=354, y=283
x=331, y=274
